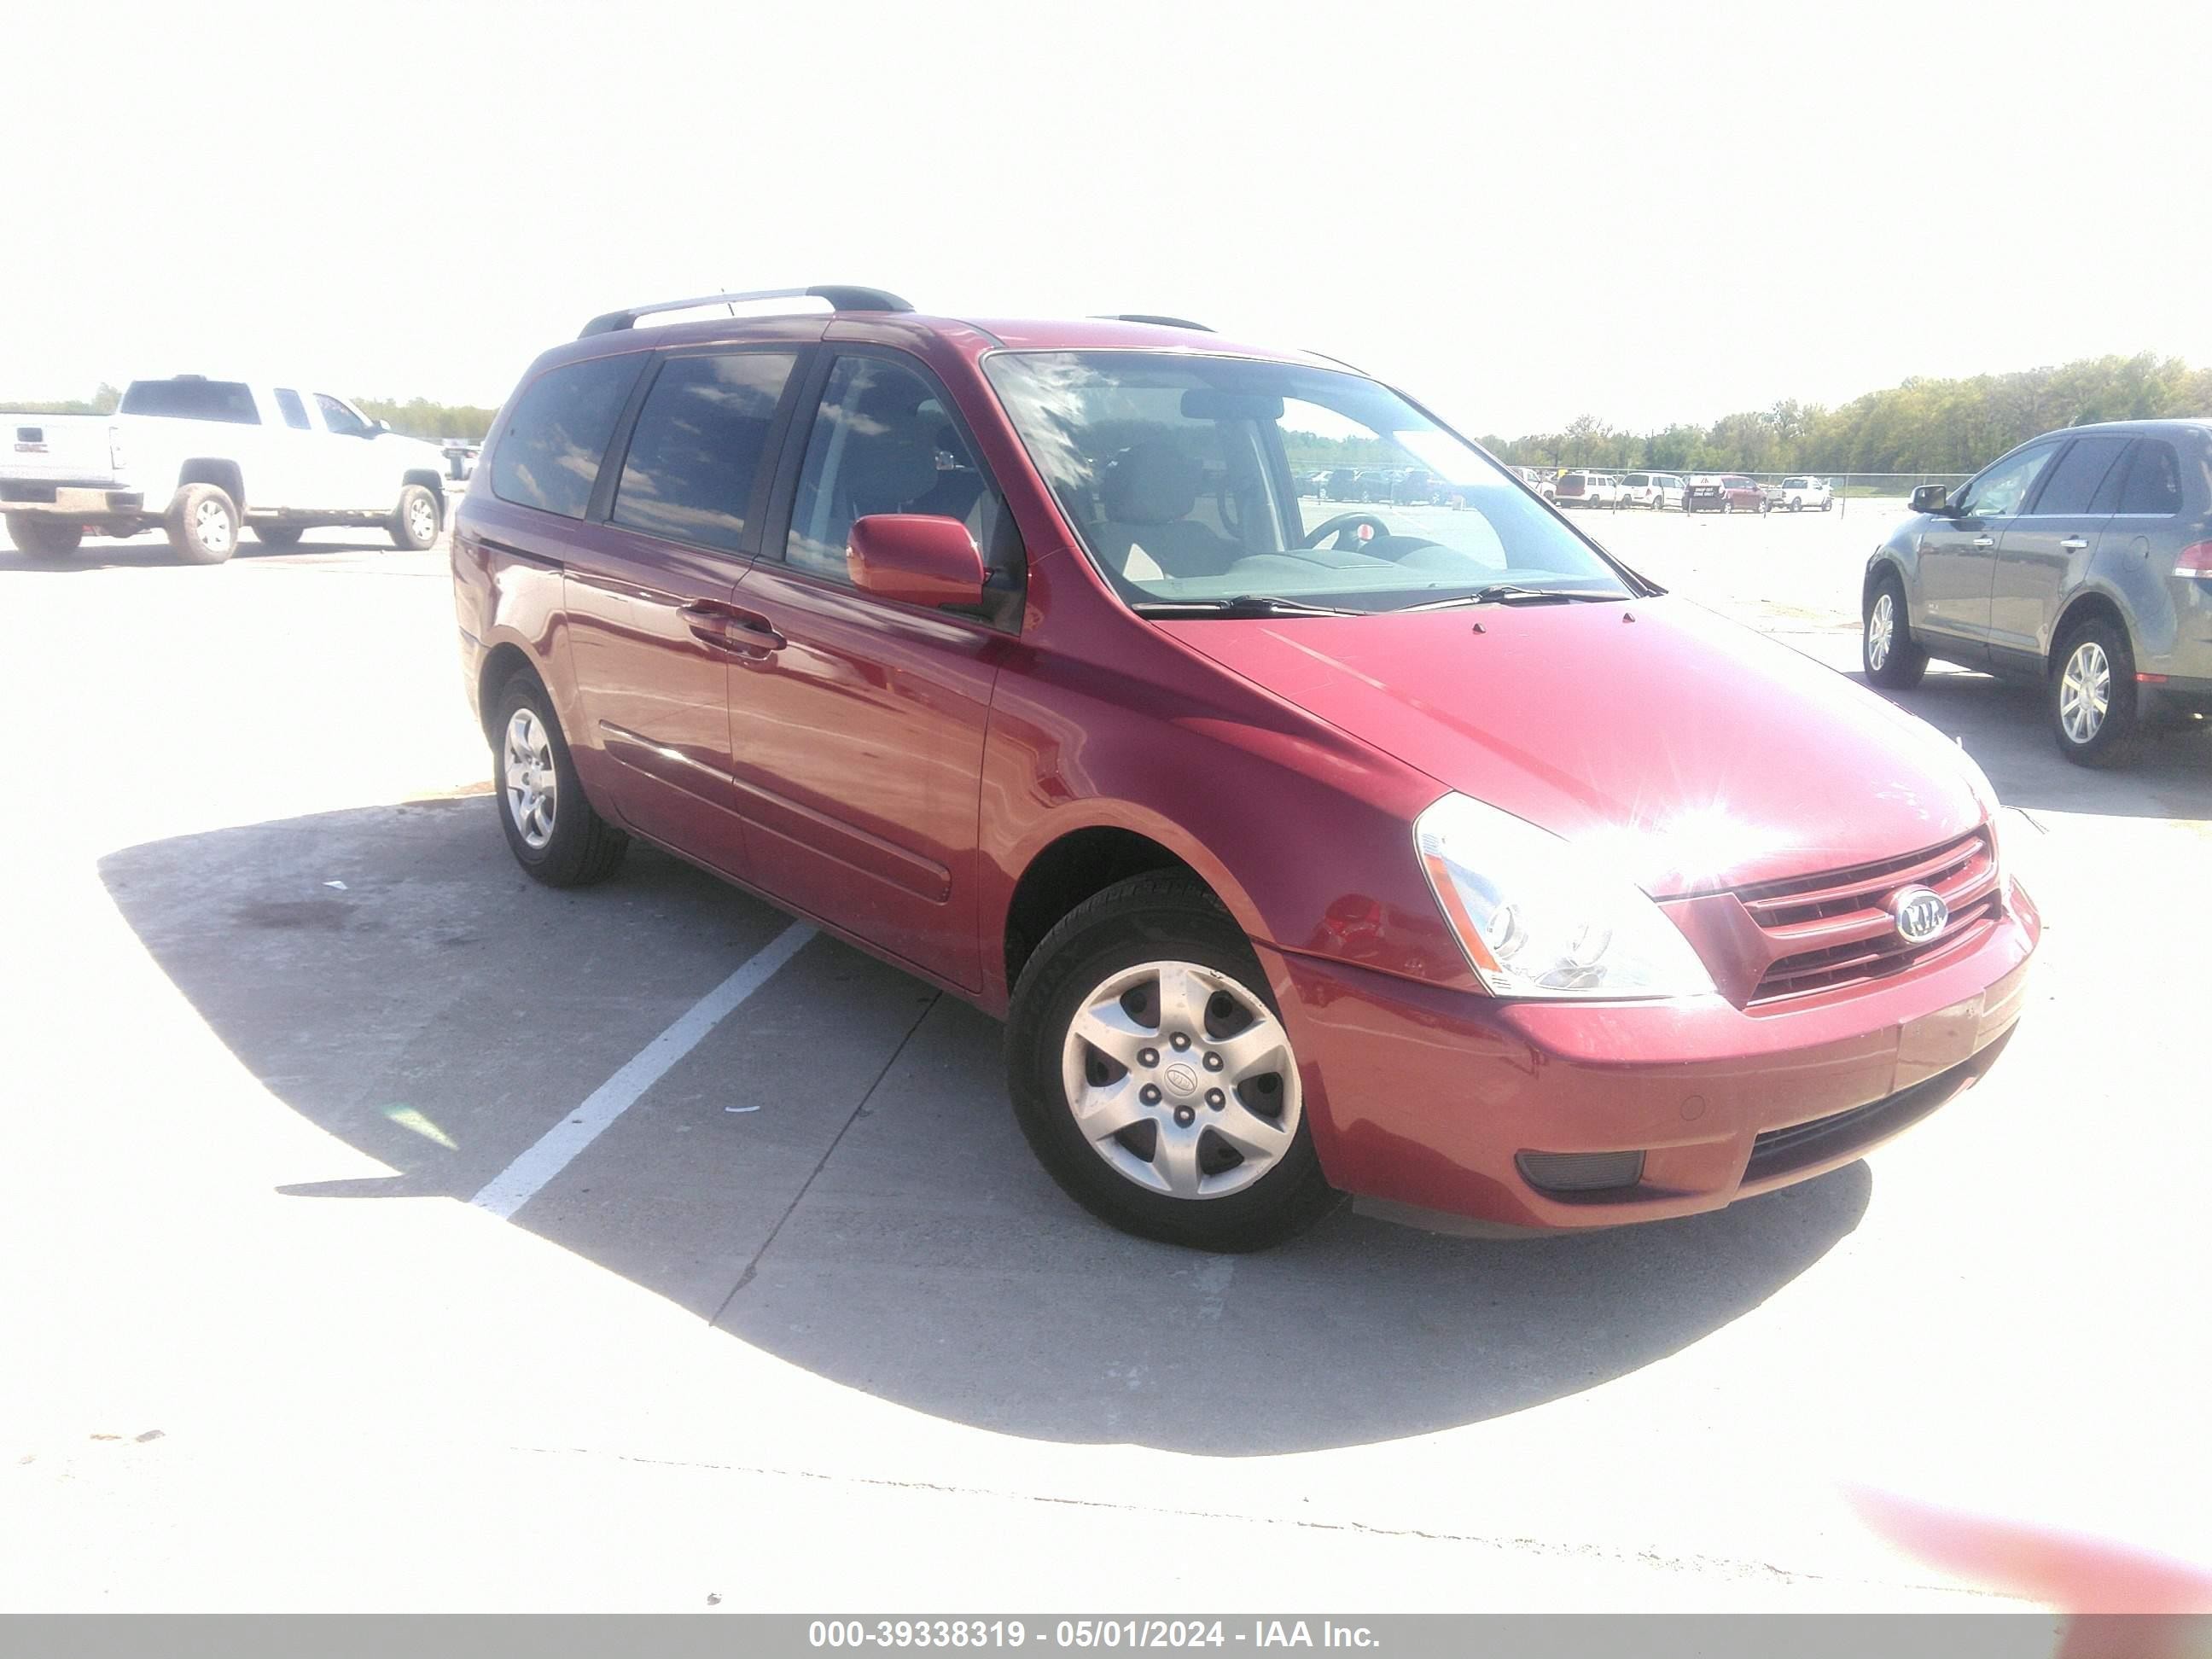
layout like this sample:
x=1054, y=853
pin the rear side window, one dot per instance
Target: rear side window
x=549, y=454
x=192, y=400
x=2073, y=483
x=695, y=454
x=2153, y=482
x=294, y=411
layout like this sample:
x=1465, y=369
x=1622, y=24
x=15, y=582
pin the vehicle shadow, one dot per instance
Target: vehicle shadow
x=879, y=1220
x=2005, y=727
x=151, y=552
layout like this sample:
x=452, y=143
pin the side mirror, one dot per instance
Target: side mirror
x=1931, y=498
x=917, y=559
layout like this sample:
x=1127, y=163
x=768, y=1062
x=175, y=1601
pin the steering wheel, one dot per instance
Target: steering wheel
x=1340, y=524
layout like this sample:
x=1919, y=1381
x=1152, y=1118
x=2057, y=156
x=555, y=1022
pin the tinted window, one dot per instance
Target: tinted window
x=549, y=454
x=882, y=443
x=294, y=411
x=695, y=454
x=339, y=418
x=1998, y=492
x=2153, y=482
x=2073, y=483
x=192, y=400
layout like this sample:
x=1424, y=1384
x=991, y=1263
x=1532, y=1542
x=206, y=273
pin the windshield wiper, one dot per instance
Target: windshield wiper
x=1515, y=593
x=1243, y=605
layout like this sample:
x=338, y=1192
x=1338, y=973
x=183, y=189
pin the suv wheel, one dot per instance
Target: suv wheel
x=1152, y=1075
x=2093, y=696
x=203, y=525
x=277, y=535
x=1891, y=660
x=37, y=538
x=551, y=828
x=415, y=521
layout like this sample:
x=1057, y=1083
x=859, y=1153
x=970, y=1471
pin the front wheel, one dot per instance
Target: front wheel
x=277, y=535
x=203, y=525
x=415, y=521
x=1152, y=1075
x=38, y=538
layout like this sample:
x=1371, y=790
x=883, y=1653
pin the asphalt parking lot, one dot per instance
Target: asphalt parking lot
x=275, y=1005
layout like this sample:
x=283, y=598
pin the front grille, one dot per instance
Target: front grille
x=1777, y=1151
x=1830, y=931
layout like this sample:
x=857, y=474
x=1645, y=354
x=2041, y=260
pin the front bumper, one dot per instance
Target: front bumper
x=1426, y=1099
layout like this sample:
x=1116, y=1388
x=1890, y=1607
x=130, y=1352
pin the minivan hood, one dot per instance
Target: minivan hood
x=1695, y=753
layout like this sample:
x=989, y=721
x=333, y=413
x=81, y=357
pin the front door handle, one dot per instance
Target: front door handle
x=1985, y=541
x=2074, y=543
x=744, y=633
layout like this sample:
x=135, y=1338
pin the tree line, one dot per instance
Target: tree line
x=1923, y=426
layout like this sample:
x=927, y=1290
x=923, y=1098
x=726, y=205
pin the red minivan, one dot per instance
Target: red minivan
x=1425, y=853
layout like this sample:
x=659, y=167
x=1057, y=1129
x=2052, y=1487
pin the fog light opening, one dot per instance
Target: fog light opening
x=1580, y=1175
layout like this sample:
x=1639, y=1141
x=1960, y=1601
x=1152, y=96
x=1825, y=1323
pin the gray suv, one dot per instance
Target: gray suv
x=2081, y=559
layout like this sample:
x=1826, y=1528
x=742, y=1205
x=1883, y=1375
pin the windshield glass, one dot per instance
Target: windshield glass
x=1181, y=473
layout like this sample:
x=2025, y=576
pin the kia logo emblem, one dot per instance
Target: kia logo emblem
x=1919, y=912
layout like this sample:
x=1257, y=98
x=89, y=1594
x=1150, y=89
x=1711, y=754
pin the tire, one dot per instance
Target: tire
x=1888, y=653
x=203, y=525
x=1128, y=950
x=415, y=522
x=1826, y=505
x=38, y=537
x=1727, y=506
x=566, y=843
x=278, y=535
x=2085, y=735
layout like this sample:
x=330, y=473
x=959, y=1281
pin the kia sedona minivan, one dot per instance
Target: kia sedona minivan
x=1306, y=848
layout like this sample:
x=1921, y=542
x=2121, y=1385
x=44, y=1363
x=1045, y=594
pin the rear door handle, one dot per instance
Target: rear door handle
x=2074, y=543
x=743, y=634
x=1985, y=541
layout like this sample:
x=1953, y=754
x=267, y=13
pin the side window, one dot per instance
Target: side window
x=341, y=419
x=694, y=454
x=1998, y=492
x=882, y=443
x=2072, y=485
x=2153, y=482
x=550, y=450
x=294, y=411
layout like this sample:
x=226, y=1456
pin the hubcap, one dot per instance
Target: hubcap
x=421, y=519
x=212, y=525
x=1882, y=630
x=2085, y=691
x=1182, y=1079
x=532, y=787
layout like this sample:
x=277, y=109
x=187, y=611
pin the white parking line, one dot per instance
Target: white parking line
x=514, y=1186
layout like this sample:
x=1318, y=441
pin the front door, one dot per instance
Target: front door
x=653, y=625
x=354, y=476
x=1958, y=552
x=2047, y=547
x=859, y=735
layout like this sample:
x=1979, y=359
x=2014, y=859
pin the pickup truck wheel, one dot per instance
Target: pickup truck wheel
x=2093, y=696
x=1152, y=1075
x=277, y=535
x=415, y=521
x=37, y=538
x=550, y=828
x=203, y=525
x=1891, y=660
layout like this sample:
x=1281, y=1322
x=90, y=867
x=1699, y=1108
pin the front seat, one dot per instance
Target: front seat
x=1148, y=493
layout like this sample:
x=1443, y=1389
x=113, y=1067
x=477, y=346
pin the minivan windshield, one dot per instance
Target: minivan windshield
x=1180, y=473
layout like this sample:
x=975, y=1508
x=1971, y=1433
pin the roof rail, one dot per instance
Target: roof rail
x=1157, y=322
x=841, y=298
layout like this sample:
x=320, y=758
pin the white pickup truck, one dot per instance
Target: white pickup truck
x=200, y=458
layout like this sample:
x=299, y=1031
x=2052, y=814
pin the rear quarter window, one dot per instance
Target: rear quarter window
x=550, y=451
x=192, y=400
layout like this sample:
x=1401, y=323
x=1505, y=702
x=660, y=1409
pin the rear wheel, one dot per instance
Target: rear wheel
x=415, y=521
x=1152, y=1076
x=277, y=535
x=40, y=538
x=2093, y=696
x=552, y=830
x=1891, y=660
x=203, y=525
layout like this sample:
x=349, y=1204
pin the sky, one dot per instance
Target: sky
x=1520, y=214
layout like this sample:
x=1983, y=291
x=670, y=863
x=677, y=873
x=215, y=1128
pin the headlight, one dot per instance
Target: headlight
x=1539, y=917
x=1985, y=796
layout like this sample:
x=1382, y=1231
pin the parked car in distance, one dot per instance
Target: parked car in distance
x=1727, y=493
x=1338, y=484
x=1542, y=482
x=1584, y=489
x=2082, y=559
x=460, y=459
x=1656, y=490
x=820, y=603
x=1799, y=492
x=199, y=459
